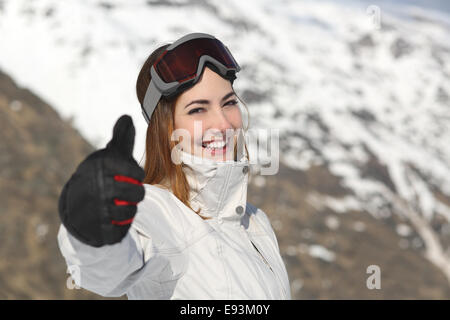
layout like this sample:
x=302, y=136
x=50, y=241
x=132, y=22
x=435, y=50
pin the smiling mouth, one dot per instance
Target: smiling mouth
x=215, y=147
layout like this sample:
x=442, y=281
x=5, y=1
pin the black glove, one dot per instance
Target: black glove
x=98, y=203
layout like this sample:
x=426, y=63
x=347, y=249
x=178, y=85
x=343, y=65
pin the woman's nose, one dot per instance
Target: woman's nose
x=219, y=121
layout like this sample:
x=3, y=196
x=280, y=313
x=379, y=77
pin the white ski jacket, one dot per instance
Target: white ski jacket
x=172, y=253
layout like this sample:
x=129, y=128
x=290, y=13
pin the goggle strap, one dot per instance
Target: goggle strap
x=152, y=96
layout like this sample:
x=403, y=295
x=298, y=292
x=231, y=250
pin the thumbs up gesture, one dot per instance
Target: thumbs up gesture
x=98, y=203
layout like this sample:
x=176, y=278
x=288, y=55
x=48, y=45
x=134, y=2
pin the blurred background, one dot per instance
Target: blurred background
x=360, y=91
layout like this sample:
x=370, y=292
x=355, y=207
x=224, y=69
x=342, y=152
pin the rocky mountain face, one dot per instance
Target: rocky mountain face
x=328, y=252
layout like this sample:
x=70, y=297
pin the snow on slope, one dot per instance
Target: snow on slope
x=341, y=91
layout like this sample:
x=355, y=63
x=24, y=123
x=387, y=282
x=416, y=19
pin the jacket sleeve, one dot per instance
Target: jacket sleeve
x=111, y=270
x=108, y=270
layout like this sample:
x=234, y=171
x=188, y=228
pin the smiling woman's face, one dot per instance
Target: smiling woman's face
x=212, y=107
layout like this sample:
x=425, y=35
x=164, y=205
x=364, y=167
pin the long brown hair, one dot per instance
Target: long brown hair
x=159, y=167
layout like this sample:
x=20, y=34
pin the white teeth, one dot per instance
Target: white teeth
x=215, y=145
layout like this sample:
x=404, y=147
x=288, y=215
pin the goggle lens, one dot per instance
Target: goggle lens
x=181, y=63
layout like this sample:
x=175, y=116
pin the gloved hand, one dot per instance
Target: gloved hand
x=98, y=203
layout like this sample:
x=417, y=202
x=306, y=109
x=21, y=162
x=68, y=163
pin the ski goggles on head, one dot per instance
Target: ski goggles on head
x=180, y=66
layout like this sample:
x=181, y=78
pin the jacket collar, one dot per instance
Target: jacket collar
x=219, y=188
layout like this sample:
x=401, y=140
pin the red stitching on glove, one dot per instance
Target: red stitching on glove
x=118, y=202
x=123, y=222
x=127, y=179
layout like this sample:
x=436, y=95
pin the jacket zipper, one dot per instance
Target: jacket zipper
x=264, y=259
x=267, y=263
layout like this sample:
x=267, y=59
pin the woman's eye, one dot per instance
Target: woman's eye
x=194, y=110
x=232, y=102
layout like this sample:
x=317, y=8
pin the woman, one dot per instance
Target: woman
x=181, y=228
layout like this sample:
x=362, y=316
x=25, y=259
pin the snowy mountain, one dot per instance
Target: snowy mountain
x=367, y=99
